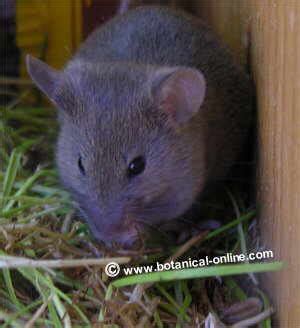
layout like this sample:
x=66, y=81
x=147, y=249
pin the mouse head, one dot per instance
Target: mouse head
x=124, y=150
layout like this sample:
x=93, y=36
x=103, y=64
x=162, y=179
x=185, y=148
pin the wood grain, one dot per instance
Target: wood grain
x=270, y=32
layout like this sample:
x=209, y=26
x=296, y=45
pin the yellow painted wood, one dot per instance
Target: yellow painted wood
x=31, y=29
x=49, y=29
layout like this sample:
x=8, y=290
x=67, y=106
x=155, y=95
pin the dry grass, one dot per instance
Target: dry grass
x=52, y=272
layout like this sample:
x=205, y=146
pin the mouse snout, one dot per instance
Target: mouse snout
x=125, y=236
x=125, y=232
x=128, y=238
x=116, y=225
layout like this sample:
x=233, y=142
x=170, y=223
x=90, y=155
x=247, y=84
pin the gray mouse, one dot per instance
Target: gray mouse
x=152, y=109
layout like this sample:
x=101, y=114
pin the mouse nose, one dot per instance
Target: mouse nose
x=114, y=226
x=129, y=232
x=123, y=236
x=127, y=239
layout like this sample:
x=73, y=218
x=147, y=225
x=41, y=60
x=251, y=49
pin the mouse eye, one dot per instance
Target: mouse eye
x=136, y=166
x=80, y=166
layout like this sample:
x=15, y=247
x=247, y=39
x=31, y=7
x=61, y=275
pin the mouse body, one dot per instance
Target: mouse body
x=152, y=109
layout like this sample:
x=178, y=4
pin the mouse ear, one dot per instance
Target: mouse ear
x=179, y=92
x=44, y=76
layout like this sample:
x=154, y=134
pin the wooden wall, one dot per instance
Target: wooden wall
x=269, y=30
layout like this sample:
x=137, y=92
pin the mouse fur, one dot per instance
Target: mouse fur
x=154, y=83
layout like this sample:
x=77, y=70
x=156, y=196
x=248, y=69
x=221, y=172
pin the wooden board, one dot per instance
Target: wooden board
x=270, y=32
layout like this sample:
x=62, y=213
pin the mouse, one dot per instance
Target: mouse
x=152, y=109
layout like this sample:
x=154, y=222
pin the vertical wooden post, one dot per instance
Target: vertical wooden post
x=272, y=31
x=276, y=62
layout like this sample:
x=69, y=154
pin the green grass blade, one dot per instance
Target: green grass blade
x=10, y=288
x=235, y=290
x=171, y=300
x=10, y=175
x=219, y=270
x=230, y=225
x=267, y=322
x=21, y=312
x=53, y=316
x=27, y=185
